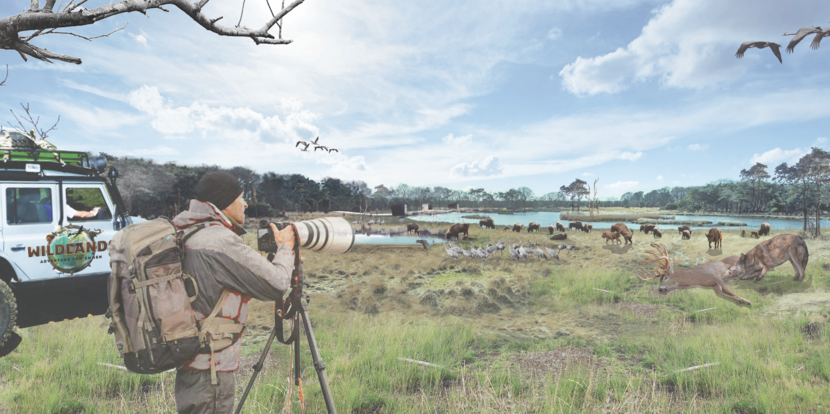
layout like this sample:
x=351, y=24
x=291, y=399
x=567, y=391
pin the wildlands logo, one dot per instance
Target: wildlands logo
x=70, y=249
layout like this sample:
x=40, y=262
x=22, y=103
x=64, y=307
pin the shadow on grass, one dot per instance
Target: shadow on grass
x=618, y=249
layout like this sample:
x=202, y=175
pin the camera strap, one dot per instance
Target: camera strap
x=294, y=297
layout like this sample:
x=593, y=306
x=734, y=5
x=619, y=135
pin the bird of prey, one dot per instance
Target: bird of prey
x=332, y=149
x=760, y=45
x=304, y=143
x=800, y=34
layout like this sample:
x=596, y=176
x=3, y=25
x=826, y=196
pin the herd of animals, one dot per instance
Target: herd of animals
x=753, y=264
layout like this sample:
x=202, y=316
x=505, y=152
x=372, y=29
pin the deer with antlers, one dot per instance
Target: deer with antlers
x=707, y=275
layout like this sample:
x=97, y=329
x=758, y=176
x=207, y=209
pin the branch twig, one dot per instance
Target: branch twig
x=603, y=290
x=697, y=367
x=704, y=310
x=421, y=363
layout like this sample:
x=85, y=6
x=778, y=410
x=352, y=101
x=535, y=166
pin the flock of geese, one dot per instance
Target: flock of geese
x=797, y=37
x=315, y=144
x=518, y=251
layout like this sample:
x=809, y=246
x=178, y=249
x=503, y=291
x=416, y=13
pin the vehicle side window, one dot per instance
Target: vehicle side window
x=28, y=205
x=85, y=204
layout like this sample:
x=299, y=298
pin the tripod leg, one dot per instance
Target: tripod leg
x=257, y=367
x=319, y=366
x=296, y=333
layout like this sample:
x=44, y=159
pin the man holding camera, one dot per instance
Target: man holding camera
x=227, y=271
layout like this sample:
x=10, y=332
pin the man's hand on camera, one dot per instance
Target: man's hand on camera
x=284, y=236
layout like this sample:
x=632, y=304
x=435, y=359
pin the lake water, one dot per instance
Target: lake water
x=545, y=217
x=383, y=239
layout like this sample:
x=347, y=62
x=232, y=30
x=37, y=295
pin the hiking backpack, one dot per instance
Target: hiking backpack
x=149, y=300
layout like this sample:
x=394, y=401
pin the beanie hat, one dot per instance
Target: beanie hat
x=219, y=188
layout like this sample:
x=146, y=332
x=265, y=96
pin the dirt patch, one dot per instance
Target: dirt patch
x=812, y=302
x=553, y=362
x=640, y=310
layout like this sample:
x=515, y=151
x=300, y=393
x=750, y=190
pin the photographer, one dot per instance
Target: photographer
x=220, y=261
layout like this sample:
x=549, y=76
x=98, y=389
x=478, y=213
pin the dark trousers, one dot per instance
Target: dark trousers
x=195, y=395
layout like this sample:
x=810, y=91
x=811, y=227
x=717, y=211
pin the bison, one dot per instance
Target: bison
x=506, y=228
x=619, y=228
x=551, y=228
x=611, y=235
x=743, y=233
x=647, y=228
x=414, y=228
x=770, y=254
x=560, y=226
x=518, y=227
x=764, y=230
x=681, y=228
x=587, y=227
x=715, y=236
x=686, y=234
x=560, y=236
x=657, y=233
x=575, y=225
x=457, y=229
x=487, y=223
x=533, y=227
x=627, y=236
x=754, y=234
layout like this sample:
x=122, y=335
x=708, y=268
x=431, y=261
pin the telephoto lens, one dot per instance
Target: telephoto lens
x=324, y=235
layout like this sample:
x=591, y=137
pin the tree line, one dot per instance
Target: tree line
x=151, y=189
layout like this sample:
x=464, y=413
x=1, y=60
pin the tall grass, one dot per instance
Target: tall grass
x=768, y=361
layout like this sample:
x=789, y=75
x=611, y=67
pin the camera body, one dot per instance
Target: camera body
x=324, y=235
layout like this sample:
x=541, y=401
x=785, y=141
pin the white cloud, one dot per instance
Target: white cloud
x=587, y=174
x=659, y=178
x=140, y=38
x=689, y=44
x=777, y=155
x=221, y=122
x=698, y=147
x=453, y=140
x=620, y=187
x=350, y=165
x=554, y=33
x=820, y=142
x=631, y=156
x=145, y=152
x=484, y=168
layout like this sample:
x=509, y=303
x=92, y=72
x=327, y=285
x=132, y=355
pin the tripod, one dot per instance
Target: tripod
x=295, y=311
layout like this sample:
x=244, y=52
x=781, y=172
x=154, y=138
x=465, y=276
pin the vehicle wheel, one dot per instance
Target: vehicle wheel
x=8, y=313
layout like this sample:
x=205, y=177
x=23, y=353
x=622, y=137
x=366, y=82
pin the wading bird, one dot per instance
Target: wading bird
x=800, y=34
x=425, y=243
x=775, y=47
x=451, y=253
x=553, y=253
x=819, y=36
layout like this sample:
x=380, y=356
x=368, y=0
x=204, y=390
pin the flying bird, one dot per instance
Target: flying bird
x=800, y=34
x=817, y=39
x=315, y=140
x=320, y=146
x=332, y=149
x=304, y=143
x=760, y=45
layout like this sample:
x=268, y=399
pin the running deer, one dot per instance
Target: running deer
x=707, y=275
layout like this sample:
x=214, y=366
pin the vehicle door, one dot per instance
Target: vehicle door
x=27, y=221
x=85, y=197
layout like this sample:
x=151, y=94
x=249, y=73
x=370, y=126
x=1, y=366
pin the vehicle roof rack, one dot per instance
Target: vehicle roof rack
x=64, y=158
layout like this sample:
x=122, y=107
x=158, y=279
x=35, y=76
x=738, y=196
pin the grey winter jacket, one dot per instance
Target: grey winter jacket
x=218, y=258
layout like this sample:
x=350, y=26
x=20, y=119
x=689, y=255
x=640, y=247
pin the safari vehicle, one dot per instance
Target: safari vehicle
x=53, y=264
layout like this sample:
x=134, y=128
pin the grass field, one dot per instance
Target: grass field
x=578, y=335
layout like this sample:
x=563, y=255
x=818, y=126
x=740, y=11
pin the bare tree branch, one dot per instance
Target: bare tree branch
x=44, y=21
x=34, y=122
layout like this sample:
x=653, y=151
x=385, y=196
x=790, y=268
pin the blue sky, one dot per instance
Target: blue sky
x=493, y=94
